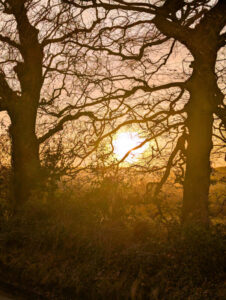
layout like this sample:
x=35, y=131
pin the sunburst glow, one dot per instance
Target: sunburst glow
x=126, y=141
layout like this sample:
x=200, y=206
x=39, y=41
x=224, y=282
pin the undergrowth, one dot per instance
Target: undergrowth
x=84, y=245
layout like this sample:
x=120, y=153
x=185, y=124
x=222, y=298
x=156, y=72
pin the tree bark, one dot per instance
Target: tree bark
x=23, y=109
x=203, y=102
x=25, y=154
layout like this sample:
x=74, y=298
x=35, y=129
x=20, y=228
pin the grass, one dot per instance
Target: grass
x=94, y=244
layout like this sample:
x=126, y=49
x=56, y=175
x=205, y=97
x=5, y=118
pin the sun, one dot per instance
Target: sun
x=126, y=141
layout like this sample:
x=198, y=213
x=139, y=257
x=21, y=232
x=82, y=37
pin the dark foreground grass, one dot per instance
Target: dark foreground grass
x=68, y=247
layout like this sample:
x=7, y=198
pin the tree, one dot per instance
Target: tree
x=133, y=31
x=205, y=98
x=44, y=82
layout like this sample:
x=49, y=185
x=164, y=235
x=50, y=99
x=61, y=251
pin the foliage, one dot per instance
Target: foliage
x=71, y=245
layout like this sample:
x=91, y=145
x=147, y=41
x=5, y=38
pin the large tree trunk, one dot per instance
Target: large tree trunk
x=25, y=154
x=23, y=112
x=202, y=104
x=197, y=177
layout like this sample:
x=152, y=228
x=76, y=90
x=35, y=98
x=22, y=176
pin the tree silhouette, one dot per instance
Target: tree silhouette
x=110, y=64
x=136, y=32
x=44, y=82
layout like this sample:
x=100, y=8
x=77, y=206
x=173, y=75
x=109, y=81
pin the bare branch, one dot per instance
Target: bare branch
x=61, y=123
